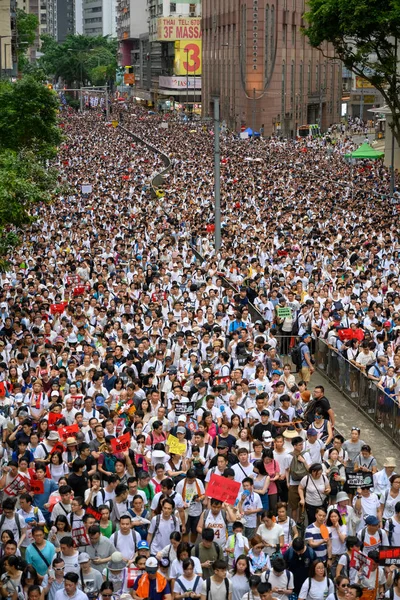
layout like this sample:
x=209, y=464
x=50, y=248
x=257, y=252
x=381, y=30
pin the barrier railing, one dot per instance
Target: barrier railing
x=372, y=401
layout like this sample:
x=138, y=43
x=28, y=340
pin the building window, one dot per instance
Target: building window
x=309, y=78
x=172, y=7
x=293, y=35
x=192, y=9
x=317, y=77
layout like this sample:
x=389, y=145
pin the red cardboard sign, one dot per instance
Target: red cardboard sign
x=223, y=489
x=361, y=561
x=16, y=486
x=68, y=431
x=57, y=448
x=36, y=486
x=91, y=511
x=121, y=443
x=52, y=418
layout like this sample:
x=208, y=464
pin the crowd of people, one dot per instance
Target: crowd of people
x=133, y=380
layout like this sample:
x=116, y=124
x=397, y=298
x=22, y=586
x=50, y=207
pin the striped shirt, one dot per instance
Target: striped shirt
x=314, y=533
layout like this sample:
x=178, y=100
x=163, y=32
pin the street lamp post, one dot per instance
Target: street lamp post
x=187, y=83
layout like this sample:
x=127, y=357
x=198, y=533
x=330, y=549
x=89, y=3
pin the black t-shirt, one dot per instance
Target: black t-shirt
x=324, y=404
x=299, y=565
x=229, y=439
x=78, y=483
x=260, y=428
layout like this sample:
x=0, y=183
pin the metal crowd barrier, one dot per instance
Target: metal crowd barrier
x=380, y=408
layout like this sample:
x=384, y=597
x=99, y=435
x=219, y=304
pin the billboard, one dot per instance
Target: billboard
x=188, y=58
x=362, y=83
x=171, y=29
x=179, y=83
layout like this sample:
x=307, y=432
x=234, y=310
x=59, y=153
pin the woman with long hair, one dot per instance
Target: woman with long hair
x=261, y=482
x=240, y=577
x=273, y=470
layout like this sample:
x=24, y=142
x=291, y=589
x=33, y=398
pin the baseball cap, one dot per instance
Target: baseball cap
x=181, y=430
x=151, y=565
x=182, y=418
x=312, y=431
x=100, y=401
x=265, y=413
x=83, y=557
x=267, y=436
x=222, y=444
x=143, y=545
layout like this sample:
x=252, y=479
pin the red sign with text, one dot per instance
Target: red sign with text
x=121, y=443
x=223, y=489
x=68, y=431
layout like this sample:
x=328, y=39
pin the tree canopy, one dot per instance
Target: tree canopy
x=27, y=25
x=28, y=117
x=365, y=35
x=79, y=58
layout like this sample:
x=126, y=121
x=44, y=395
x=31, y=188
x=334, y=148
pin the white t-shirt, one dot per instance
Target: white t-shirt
x=283, y=581
x=395, y=541
x=251, y=502
x=369, y=506
x=176, y=569
x=318, y=589
x=188, y=585
x=162, y=533
x=126, y=544
x=314, y=489
x=241, y=472
x=270, y=536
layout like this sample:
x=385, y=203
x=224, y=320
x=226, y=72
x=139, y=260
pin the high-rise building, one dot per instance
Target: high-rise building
x=7, y=37
x=163, y=46
x=260, y=65
x=99, y=17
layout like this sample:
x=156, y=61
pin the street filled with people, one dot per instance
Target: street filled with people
x=162, y=437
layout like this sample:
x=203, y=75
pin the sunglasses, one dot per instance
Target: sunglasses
x=355, y=429
x=344, y=585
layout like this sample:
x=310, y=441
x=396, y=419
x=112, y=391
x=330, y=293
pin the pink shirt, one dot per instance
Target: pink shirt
x=272, y=469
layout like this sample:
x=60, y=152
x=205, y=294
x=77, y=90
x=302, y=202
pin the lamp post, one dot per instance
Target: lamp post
x=392, y=181
x=187, y=83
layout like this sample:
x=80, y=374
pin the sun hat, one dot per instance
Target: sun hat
x=341, y=497
x=83, y=557
x=116, y=563
x=390, y=462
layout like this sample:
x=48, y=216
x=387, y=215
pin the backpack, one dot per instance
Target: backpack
x=296, y=357
x=363, y=533
x=297, y=470
x=223, y=513
x=208, y=587
x=157, y=527
x=16, y=519
x=197, y=550
x=109, y=462
x=45, y=450
x=283, y=418
x=390, y=531
x=133, y=537
x=336, y=486
x=267, y=574
x=196, y=581
x=295, y=326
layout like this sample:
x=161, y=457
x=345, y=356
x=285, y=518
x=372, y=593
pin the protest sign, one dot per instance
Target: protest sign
x=361, y=561
x=121, y=443
x=359, y=480
x=77, y=400
x=91, y=511
x=185, y=408
x=16, y=486
x=120, y=426
x=389, y=555
x=36, y=486
x=80, y=537
x=284, y=312
x=175, y=446
x=52, y=419
x=68, y=431
x=57, y=448
x=223, y=489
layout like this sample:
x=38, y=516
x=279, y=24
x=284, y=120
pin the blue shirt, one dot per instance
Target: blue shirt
x=33, y=557
x=40, y=500
x=314, y=533
x=304, y=350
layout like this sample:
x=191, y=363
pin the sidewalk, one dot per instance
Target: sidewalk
x=348, y=416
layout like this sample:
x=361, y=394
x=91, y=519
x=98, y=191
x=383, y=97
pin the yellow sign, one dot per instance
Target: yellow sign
x=171, y=29
x=362, y=83
x=114, y=123
x=174, y=445
x=188, y=58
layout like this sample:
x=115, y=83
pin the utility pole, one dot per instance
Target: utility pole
x=254, y=113
x=187, y=83
x=81, y=98
x=217, y=177
x=320, y=109
x=107, y=106
x=362, y=101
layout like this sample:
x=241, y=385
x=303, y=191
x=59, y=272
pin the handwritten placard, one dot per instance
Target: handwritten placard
x=121, y=443
x=175, y=446
x=223, y=489
x=16, y=486
x=36, y=486
x=361, y=562
x=185, y=408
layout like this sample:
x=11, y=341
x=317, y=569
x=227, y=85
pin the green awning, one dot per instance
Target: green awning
x=365, y=151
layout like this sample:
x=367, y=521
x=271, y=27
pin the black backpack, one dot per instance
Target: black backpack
x=296, y=357
x=208, y=587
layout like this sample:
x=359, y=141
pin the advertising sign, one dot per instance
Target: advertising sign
x=170, y=29
x=180, y=83
x=188, y=58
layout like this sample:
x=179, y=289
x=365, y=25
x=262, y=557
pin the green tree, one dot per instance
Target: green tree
x=27, y=28
x=78, y=59
x=365, y=36
x=24, y=182
x=28, y=118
